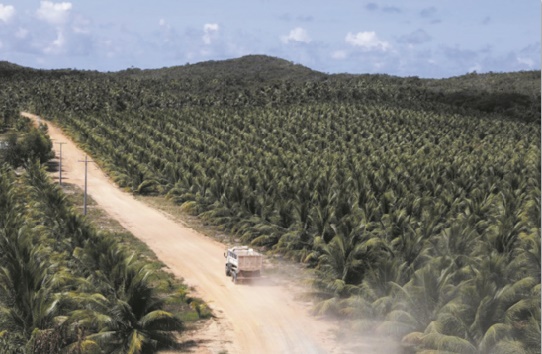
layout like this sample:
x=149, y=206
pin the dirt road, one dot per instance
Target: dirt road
x=256, y=318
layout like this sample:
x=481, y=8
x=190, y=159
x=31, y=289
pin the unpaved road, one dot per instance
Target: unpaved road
x=255, y=318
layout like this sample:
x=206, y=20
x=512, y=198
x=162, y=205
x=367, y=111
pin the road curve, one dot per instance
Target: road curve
x=258, y=318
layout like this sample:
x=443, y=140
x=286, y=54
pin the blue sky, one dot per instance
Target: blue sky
x=425, y=38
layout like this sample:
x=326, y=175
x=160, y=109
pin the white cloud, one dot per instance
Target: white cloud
x=55, y=14
x=6, y=12
x=57, y=45
x=339, y=54
x=209, y=32
x=367, y=41
x=526, y=61
x=298, y=34
x=81, y=25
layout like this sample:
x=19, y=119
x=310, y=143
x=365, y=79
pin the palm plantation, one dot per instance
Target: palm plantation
x=419, y=212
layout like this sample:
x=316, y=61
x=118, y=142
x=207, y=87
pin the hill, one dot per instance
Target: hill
x=250, y=68
x=7, y=66
x=515, y=95
x=8, y=69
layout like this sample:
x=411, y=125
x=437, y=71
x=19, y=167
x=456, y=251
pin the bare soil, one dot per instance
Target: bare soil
x=266, y=316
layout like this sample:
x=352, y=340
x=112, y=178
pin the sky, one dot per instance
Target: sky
x=424, y=38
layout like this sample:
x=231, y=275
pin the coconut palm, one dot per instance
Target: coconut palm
x=343, y=262
x=32, y=285
x=133, y=321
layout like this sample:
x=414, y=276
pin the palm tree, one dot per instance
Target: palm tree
x=417, y=303
x=133, y=320
x=31, y=285
x=486, y=315
x=343, y=261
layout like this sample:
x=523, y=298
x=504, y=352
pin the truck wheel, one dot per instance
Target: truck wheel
x=234, y=277
x=228, y=272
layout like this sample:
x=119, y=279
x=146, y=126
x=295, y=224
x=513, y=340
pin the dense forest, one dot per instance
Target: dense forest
x=416, y=201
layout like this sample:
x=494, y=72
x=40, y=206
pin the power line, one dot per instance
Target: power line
x=60, y=163
x=86, y=161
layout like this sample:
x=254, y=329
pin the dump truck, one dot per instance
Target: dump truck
x=243, y=263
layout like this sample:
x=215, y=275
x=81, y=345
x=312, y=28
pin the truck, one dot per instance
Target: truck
x=243, y=263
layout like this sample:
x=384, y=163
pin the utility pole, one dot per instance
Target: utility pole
x=60, y=163
x=86, y=161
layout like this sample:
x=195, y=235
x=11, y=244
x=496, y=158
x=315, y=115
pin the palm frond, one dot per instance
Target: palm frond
x=453, y=344
x=394, y=329
x=160, y=320
x=135, y=342
x=509, y=347
x=495, y=333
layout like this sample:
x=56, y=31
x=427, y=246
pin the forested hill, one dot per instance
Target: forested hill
x=516, y=94
x=250, y=68
x=263, y=79
x=6, y=66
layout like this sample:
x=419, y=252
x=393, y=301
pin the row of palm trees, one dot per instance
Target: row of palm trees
x=66, y=288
